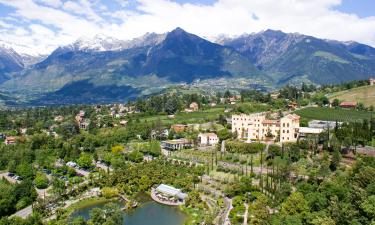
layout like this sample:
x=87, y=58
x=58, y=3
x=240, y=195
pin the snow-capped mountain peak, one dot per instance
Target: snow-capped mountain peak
x=147, y=39
x=98, y=43
x=101, y=42
x=24, y=55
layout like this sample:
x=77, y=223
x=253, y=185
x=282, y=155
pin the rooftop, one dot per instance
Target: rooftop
x=348, y=104
x=169, y=190
x=208, y=134
x=177, y=141
x=310, y=130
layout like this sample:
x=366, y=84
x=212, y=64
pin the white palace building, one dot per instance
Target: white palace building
x=256, y=127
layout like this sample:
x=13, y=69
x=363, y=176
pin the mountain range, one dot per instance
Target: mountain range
x=105, y=69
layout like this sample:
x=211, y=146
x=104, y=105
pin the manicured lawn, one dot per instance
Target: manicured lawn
x=332, y=114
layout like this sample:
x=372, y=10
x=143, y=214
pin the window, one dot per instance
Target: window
x=287, y=124
x=287, y=131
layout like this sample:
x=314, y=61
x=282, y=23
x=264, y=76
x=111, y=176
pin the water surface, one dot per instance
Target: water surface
x=149, y=213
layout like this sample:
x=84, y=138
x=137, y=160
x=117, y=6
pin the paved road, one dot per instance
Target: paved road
x=230, y=207
x=246, y=214
x=5, y=175
x=104, y=167
x=23, y=213
x=256, y=170
x=84, y=173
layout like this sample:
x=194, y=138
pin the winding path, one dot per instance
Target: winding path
x=246, y=214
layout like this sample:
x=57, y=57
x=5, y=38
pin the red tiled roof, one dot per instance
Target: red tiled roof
x=348, y=104
x=11, y=138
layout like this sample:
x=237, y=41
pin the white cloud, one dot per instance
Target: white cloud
x=74, y=19
x=53, y=3
x=82, y=7
x=123, y=3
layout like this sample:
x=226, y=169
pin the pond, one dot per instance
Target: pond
x=149, y=213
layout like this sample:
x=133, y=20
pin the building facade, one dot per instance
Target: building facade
x=256, y=127
x=10, y=140
x=178, y=128
x=208, y=139
x=371, y=81
x=177, y=144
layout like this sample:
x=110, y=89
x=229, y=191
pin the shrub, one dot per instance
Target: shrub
x=245, y=148
x=41, y=181
x=109, y=192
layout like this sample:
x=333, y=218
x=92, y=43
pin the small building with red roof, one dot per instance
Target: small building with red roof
x=348, y=105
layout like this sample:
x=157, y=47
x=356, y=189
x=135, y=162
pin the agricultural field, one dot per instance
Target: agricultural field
x=192, y=117
x=333, y=114
x=365, y=95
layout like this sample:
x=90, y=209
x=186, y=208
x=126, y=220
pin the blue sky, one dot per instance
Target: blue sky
x=363, y=8
x=43, y=25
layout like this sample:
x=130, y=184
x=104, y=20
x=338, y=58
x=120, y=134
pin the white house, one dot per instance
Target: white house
x=208, y=139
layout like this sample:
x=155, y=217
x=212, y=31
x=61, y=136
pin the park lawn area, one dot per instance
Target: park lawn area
x=333, y=114
x=194, y=215
x=365, y=95
x=218, y=175
x=184, y=117
x=192, y=155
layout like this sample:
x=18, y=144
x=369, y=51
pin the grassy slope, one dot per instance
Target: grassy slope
x=365, y=95
x=333, y=114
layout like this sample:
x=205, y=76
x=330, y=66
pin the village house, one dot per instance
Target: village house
x=178, y=128
x=10, y=140
x=348, y=105
x=371, y=81
x=208, y=139
x=84, y=125
x=123, y=123
x=23, y=131
x=177, y=144
x=159, y=134
x=292, y=106
x=81, y=121
x=256, y=127
x=58, y=118
x=193, y=107
x=275, y=95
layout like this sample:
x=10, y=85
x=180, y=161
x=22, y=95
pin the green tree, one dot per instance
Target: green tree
x=259, y=211
x=79, y=221
x=295, y=205
x=369, y=206
x=85, y=160
x=41, y=181
x=110, y=215
x=58, y=187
